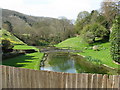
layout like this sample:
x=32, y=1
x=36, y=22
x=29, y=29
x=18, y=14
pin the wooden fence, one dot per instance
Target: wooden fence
x=13, y=77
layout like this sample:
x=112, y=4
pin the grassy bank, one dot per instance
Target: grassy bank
x=78, y=44
x=24, y=47
x=30, y=61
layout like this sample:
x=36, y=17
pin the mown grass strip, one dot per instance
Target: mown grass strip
x=30, y=61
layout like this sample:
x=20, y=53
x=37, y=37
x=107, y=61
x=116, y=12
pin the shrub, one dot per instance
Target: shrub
x=91, y=31
x=115, y=40
x=6, y=45
x=89, y=37
x=93, y=60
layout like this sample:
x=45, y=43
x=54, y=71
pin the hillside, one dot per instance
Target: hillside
x=37, y=30
x=9, y=36
x=103, y=54
x=23, y=61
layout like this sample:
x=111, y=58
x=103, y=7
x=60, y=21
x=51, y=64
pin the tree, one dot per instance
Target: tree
x=115, y=40
x=109, y=10
x=89, y=37
x=91, y=31
x=82, y=15
x=83, y=19
x=94, y=16
x=6, y=45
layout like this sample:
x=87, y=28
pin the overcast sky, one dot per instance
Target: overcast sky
x=51, y=8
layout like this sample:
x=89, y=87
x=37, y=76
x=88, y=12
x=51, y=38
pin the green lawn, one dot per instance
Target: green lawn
x=24, y=47
x=78, y=44
x=74, y=43
x=30, y=61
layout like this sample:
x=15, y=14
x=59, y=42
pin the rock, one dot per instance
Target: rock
x=85, y=48
x=95, y=48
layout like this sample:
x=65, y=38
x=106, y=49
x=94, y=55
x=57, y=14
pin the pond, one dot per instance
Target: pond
x=71, y=63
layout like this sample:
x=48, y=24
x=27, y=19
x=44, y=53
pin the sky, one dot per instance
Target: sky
x=51, y=8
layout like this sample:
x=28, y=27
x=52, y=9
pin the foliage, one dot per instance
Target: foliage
x=82, y=15
x=109, y=10
x=83, y=19
x=115, y=40
x=37, y=30
x=94, y=30
x=7, y=35
x=96, y=61
x=89, y=37
x=6, y=44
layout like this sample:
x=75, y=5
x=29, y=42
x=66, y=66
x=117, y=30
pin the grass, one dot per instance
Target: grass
x=30, y=61
x=75, y=43
x=7, y=35
x=78, y=44
x=24, y=47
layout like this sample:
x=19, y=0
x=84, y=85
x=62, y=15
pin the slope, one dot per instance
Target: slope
x=30, y=61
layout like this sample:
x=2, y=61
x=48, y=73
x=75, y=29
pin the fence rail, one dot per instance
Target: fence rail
x=13, y=77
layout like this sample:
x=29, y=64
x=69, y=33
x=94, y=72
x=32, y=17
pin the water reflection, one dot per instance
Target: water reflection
x=66, y=62
x=60, y=62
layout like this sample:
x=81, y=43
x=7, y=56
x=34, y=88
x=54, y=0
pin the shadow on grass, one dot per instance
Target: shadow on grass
x=97, y=42
x=19, y=61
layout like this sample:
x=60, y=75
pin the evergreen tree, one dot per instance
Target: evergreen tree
x=115, y=40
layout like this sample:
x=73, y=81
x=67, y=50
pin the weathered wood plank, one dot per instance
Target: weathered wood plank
x=90, y=81
x=74, y=78
x=115, y=81
x=11, y=77
x=104, y=82
x=45, y=79
x=28, y=72
x=95, y=81
x=0, y=77
x=33, y=83
x=63, y=80
x=15, y=75
x=20, y=77
x=51, y=80
x=59, y=78
x=84, y=80
x=119, y=82
x=79, y=80
x=3, y=76
x=68, y=80
x=39, y=79
x=7, y=77
x=110, y=81
x=99, y=81
x=24, y=78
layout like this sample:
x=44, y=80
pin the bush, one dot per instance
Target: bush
x=89, y=37
x=115, y=40
x=6, y=45
x=93, y=60
x=91, y=31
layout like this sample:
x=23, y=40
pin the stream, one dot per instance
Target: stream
x=71, y=63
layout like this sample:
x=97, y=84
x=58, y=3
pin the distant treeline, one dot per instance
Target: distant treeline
x=37, y=30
